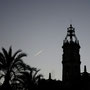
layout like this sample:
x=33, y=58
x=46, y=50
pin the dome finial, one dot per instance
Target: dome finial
x=71, y=32
x=71, y=37
x=70, y=25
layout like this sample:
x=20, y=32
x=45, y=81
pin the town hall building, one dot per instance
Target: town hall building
x=72, y=78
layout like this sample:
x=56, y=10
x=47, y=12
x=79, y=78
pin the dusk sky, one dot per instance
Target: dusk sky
x=38, y=27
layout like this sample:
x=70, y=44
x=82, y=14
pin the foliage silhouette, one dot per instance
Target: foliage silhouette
x=29, y=78
x=9, y=64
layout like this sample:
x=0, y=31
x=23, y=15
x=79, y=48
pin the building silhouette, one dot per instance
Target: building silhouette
x=71, y=59
x=72, y=77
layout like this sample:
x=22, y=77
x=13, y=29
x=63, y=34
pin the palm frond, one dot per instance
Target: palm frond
x=39, y=76
x=15, y=63
x=18, y=58
x=21, y=55
x=18, y=61
x=25, y=73
x=2, y=59
x=36, y=73
x=10, y=51
x=5, y=53
x=16, y=53
x=29, y=68
x=2, y=76
x=2, y=66
x=2, y=56
x=20, y=79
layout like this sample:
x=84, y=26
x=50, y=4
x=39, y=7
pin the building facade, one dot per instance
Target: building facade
x=71, y=73
x=72, y=77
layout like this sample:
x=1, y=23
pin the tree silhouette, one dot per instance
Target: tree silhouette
x=29, y=78
x=9, y=63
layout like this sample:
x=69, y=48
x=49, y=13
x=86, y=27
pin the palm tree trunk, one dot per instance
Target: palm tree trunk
x=6, y=83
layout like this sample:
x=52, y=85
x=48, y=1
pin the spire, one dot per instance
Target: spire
x=85, y=69
x=71, y=34
x=49, y=76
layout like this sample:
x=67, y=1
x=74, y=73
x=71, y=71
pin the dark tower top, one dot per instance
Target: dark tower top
x=71, y=37
x=71, y=57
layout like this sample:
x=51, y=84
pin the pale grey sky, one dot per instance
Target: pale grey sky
x=38, y=27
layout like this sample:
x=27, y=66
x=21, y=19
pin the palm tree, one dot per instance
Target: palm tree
x=29, y=78
x=9, y=62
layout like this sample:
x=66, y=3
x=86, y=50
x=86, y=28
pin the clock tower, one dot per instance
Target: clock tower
x=71, y=58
